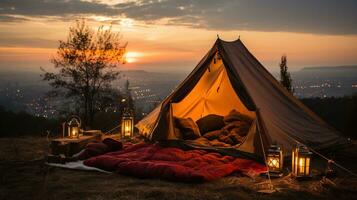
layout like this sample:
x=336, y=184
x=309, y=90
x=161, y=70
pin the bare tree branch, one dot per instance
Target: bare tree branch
x=87, y=63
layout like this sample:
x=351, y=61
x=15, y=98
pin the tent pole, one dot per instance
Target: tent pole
x=265, y=159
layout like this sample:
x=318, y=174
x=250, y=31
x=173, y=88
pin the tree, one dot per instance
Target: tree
x=285, y=78
x=86, y=66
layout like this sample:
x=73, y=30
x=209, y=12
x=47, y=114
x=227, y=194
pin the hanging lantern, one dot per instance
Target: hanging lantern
x=74, y=127
x=301, y=161
x=127, y=124
x=275, y=159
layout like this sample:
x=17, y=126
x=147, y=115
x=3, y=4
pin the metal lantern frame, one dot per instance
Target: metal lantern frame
x=275, y=159
x=127, y=124
x=74, y=125
x=301, y=161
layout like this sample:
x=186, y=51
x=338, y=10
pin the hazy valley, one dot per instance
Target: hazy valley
x=24, y=90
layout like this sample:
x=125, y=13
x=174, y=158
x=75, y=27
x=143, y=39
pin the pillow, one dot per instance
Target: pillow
x=188, y=128
x=113, y=145
x=99, y=148
x=234, y=115
x=209, y=123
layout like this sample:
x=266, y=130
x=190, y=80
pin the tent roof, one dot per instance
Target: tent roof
x=281, y=117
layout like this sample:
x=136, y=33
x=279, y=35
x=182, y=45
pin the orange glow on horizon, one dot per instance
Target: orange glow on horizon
x=132, y=57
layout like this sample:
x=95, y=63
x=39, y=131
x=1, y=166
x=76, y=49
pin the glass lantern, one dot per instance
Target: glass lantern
x=127, y=124
x=74, y=128
x=275, y=159
x=301, y=161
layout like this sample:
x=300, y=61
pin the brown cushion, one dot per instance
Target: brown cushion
x=188, y=128
x=209, y=123
x=234, y=115
x=113, y=145
x=233, y=125
x=99, y=148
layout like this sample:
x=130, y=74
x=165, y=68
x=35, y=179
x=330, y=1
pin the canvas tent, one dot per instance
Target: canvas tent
x=230, y=77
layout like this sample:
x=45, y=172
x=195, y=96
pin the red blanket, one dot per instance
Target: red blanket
x=150, y=160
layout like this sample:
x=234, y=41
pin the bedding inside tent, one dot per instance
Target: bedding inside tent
x=213, y=94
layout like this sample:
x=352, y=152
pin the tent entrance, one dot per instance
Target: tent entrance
x=213, y=94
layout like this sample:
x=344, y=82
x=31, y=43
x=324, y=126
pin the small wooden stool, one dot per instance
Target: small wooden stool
x=70, y=146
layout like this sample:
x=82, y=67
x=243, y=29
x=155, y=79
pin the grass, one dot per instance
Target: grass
x=24, y=175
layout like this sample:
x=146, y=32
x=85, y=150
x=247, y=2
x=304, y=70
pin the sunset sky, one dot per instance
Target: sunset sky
x=167, y=35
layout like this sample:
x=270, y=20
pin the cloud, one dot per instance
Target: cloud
x=13, y=41
x=9, y=18
x=317, y=16
x=53, y=7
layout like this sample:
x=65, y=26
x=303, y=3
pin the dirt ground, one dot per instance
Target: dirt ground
x=24, y=175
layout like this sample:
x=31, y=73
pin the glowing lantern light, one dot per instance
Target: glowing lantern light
x=127, y=124
x=275, y=159
x=301, y=161
x=74, y=127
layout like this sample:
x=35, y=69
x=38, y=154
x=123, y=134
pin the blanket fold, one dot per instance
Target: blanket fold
x=153, y=161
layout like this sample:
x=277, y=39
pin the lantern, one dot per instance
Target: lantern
x=127, y=124
x=74, y=128
x=301, y=161
x=275, y=159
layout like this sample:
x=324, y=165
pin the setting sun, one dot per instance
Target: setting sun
x=131, y=57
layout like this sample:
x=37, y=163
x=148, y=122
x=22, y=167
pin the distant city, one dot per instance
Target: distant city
x=24, y=91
